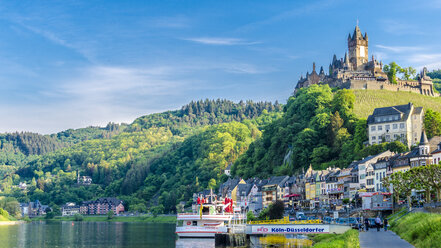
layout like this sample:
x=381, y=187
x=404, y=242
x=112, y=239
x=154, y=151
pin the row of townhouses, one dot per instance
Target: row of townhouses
x=33, y=209
x=100, y=206
x=360, y=180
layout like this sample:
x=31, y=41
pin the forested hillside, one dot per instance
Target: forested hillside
x=29, y=143
x=318, y=127
x=161, y=159
x=202, y=113
x=142, y=161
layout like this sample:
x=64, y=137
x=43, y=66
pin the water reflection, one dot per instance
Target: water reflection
x=194, y=243
x=87, y=234
x=288, y=241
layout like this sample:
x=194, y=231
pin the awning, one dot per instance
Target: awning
x=292, y=195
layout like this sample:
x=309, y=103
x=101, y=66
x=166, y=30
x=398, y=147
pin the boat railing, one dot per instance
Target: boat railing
x=229, y=214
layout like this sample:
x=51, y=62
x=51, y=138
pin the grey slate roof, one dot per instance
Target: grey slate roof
x=280, y=180
x=403, y=110
x=244, y=189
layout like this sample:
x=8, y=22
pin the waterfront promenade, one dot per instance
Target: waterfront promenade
x=374, y=239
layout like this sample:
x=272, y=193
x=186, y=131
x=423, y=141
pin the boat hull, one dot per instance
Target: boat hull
x=199, y=231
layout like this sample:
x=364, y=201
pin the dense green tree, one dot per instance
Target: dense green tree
x=432, y=123
x=391, y=70
x=276, y=210
x=408, y=73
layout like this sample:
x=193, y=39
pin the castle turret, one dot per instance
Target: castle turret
x=358, y=50
x=322, y=71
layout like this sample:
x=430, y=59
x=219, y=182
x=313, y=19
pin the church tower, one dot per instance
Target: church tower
x=358, y=49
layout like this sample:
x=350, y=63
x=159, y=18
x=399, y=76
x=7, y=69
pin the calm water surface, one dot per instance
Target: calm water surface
x=116, y=234
x=88, y=234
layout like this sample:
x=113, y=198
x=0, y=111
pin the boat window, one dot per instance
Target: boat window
x=195, y=223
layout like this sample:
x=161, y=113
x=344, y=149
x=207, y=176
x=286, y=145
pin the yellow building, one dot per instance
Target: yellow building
x=234, y=191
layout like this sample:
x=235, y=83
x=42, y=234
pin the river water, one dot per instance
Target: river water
x=106, y=234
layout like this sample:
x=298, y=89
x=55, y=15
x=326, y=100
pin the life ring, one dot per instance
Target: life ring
x=188, y=223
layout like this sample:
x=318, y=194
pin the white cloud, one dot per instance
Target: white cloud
x=220, y=41
x=52, y=37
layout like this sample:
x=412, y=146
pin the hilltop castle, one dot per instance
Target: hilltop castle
x=355, y=71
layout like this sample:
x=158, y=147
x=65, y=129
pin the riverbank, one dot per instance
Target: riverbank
x=143, y=218
x=419, y=229
x=349, y=239
x=10, y=223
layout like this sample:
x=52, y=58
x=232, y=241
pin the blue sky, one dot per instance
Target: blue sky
x=71, y=64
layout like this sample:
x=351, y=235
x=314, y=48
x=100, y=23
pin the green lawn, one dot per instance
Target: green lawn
x=367, y=100
x=145, y=218
x=349, y=239
x=419, y=229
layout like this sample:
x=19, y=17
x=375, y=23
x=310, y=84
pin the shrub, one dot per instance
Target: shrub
x=78, y=217
x=4, y=213
x=250, y=216
x=110, y=215
x=49, y=215
x=276, y=210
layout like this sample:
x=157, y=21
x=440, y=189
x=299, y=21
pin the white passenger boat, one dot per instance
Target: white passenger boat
x=209, y=219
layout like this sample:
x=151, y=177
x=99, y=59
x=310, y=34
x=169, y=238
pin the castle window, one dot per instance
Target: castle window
x=401, y=125
x=372, y=128
x=387, y=138
x=387, y=127
x=395, y=126
x=373, y=137
x=380, y=128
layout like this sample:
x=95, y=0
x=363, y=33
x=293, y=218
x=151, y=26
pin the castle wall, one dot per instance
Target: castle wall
x=406, y=86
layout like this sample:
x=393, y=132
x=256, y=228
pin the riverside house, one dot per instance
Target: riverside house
x=70, y=209
x=102, y=206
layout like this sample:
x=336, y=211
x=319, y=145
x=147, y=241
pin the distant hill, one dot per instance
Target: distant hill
x=204, y=112
x=29, y=143
x=367, y=100
x=74, y=136
x=138, y=162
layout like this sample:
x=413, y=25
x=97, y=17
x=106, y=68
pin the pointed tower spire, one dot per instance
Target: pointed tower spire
x=321, y=70
x=357, y=33
x=424, y=140
x=346, y=58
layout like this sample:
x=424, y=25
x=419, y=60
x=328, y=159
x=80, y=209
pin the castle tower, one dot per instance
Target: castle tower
x=358, y=49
